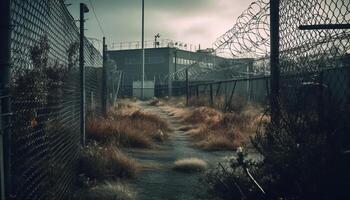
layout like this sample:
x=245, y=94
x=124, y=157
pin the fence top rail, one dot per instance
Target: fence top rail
x=264, y=77
x=232, y=80
x=308, y=73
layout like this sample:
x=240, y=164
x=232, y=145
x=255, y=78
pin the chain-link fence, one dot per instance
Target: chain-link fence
x=225, y=94
x=44, y=131
x=314, y=54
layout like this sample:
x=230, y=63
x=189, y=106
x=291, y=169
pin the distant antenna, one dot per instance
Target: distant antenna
x=156, y=43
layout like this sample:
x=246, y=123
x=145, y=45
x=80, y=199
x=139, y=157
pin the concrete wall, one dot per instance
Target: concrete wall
x=129, y=61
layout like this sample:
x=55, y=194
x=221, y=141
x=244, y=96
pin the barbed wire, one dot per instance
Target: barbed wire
x=249, y=37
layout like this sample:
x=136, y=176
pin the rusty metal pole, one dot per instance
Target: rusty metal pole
x=274, y=60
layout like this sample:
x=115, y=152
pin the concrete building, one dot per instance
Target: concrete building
x=160, y=63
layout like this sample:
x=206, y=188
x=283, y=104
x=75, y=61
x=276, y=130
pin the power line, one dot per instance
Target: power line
x=98, y=21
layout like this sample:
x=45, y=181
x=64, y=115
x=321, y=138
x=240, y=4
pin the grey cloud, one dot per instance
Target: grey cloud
x=173, y=19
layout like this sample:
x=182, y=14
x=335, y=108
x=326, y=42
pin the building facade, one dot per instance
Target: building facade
x=159, y=62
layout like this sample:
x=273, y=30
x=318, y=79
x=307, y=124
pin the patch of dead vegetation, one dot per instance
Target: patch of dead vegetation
x=107, y=191
x=106, y=162
x=226, y=131
x=203, y=115
x=190, y=165
x=213, y=129
x=156, y=102
x=135, y=128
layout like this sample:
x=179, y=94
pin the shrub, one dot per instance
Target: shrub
x=304, y=155
x=229, y=181
x=303, y=158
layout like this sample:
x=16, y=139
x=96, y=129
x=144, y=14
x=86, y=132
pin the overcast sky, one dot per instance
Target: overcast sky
x=190, y=21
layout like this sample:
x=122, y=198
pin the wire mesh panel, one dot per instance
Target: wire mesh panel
x=314, y=62
x=45, y=92
x=93, y=90
x=114, y=81
x=225, y=94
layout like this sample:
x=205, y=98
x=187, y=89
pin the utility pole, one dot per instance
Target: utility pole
x=143, y=50
x=104, y=78
x=5, y=106
x=83, y=9
x=274, y=60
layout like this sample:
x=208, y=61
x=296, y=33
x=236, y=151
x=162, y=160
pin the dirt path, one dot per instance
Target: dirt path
x=162, y=182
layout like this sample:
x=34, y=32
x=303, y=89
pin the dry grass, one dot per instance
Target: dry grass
x=228, y=130
x=220, y=142
x=99, y=163
x=156, y=102
x=121, y=133
x=202, y=100
x=203, y=115
x=213, y=129
x=134, y=128
x=178, y=101
x=189, y=165
x=108, y=191
x=176, y=112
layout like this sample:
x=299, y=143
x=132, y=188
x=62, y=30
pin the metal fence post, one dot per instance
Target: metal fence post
x=211, y=95
x=122, y=85
x=187, y=88
x=218, y=89
x=104, y=78
x=232, y=93
x=321, y=105
x=274, y=60
x=5, y=107
x=118, y=87
x=83, y=9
